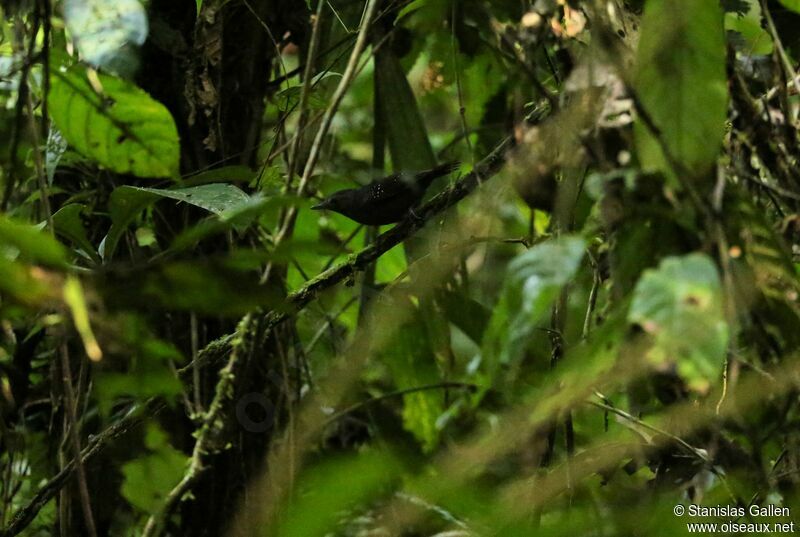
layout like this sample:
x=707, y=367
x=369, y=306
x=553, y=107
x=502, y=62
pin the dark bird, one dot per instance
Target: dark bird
x=386, y=200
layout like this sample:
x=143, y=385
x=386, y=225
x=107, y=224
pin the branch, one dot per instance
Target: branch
x=224, y=346
x=251, y=329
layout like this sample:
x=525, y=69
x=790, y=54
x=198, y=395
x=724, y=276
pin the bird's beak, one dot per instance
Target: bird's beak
x=321, y=205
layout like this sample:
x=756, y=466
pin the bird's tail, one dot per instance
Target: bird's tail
x=424, y=179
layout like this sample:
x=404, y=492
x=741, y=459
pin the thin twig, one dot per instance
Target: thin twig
x=254, y=326
x=72, y=426
x=400, y=393
x=96, y=444
x=327, y=119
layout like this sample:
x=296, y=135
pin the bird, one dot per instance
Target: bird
x=387, y=200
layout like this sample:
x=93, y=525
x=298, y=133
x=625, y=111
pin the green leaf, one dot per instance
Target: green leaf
x=68, y=224
x=76, y=301
x=467, y=314
x=149, y=478
x=127, y=202
x=356, y=480
x=30, y=243
x=216, y=198
x=681, y=80
x=410, y=7
x=754, y=40
x=794, y=5
x=412, y=363
x=148, y=366
x=106, y=31
x=532, y=284
x=680, y=305
x=401, y=118
x=119, y=126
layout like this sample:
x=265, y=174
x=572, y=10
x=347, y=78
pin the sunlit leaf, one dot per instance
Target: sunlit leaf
x=118, y=125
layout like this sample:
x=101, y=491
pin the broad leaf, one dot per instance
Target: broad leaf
x=680, y=305
x=681, y=81
x=413, y=364
x=118, y=125
x=357, y=480
x=149, y=478
x=128, y=201
x=532, y=284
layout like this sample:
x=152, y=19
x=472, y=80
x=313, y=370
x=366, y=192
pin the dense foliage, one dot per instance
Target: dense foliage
x=594, y=320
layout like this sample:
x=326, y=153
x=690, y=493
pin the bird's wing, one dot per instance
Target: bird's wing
x=391, y=187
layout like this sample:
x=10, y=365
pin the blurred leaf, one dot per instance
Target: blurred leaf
x=410, y=7
x=533, y=282
x=412, y=363
x=119, y=126
x=149, y=478
x=105, y=31
x=128, y=344
x=68, y=224
x=680, y=305
x=289, y=98
x=74, y=299
x=213, y=287
x=30, y=243
x=357, y=481
x=467, y=314
x=26, y=285
x=681, y=80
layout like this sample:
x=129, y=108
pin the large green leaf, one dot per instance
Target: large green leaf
x=532, y=284
x=325, y=491
x=413, y=364
x=680, y=78
x=128, y=201
x=118, y=125
x=680, y=305
x=405, y=130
